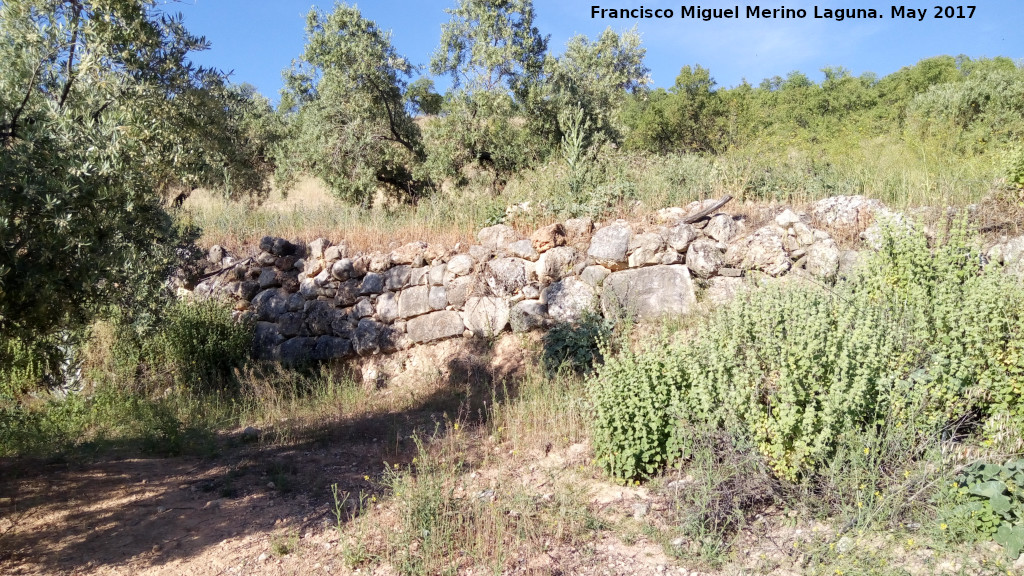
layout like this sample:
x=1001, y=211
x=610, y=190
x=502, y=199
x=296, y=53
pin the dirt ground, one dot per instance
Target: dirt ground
x=252, y=510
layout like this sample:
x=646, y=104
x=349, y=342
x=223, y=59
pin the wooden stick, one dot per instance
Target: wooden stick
x=704, y=213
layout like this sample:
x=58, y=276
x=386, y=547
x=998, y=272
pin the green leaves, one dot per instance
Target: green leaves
x=345, y=107
x=991, y=503
x=915, y=342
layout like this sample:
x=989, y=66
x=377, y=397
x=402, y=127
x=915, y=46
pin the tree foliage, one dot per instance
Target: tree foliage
x=598, y=76
x=100, y=112
x=345, y=100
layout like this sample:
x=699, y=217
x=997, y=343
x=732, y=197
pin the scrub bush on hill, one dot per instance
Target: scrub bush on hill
x=922, y=338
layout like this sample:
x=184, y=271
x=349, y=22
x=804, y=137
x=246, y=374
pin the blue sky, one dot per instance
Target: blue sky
x=257, y=39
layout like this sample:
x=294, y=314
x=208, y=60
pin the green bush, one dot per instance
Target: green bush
x=202, y=343
x=921, y=338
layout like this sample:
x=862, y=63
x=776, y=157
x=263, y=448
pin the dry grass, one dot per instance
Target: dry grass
x=309, y=211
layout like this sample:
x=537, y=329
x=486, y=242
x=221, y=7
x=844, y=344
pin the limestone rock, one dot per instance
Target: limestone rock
x=680, y=236
x=523, y=249
x=363, y=308
x=823, y=259
x=435, y=326
x=270, y=304
x=609, y=245
x=789, y=218
x=763, y=250
x=460, y=289
x=414, y=301
x=319, y=317
x=527, y=315
x=365, y=338
x=409, y=254
x=594, y=275
x=343, y=269
x=348, y=292
x=316, y=248
x=847, y=211
x=548, y=237
x=644, y=249
x=373, y=283
x=722, y=228
x=296, y=350
x=650, y=292
x=269, y=278
x=397, y=277
x=436, y=274
x=497, y=237
x=461, y=264
x=216, y=254
x=332, y=348
x=722, y=290
x=506, y=276
x=438, y=297
x=266, y=337
x=568, y=299
x=485, y=315
x=556, y=263
x=578, y=230
x=703, y=258
x=387, y=307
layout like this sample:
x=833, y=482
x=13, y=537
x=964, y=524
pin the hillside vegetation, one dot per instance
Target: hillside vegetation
x=869, y=425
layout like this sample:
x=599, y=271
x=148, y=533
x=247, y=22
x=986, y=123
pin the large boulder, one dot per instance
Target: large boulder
x=485, y=315
x=680, y=236
x=569, y=299
x=387, y=307
x=435, y=326
x=266, y=338
x=332, y=348
x=365, y=340
x=610, y=245
x=722, y=228
x=320, y=316
x=461, y=264
x=523, y=249
x=651, y=292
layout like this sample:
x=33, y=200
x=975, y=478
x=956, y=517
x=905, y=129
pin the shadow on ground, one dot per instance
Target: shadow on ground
x=122, y=515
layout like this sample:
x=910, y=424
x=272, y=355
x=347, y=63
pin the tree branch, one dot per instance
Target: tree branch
x=77, y=11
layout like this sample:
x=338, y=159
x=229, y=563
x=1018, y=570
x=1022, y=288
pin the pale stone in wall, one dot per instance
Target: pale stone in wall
x=435, y=326
x=485, y=315
x=646, y=293
x=414, y=301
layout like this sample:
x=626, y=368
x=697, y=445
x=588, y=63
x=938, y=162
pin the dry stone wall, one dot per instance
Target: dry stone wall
x=322, y=301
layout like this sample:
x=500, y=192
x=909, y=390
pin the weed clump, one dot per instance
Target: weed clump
x=922, y=339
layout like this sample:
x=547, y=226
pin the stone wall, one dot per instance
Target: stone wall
x=322, y=301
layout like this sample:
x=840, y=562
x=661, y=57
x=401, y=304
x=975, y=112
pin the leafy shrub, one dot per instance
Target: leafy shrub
x=203, y=343
x=988, y=503
x=921, y=338
x=576, y=345
x=634, y=395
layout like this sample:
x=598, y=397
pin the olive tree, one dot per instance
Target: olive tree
x=345, y=106
x=100, y=112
